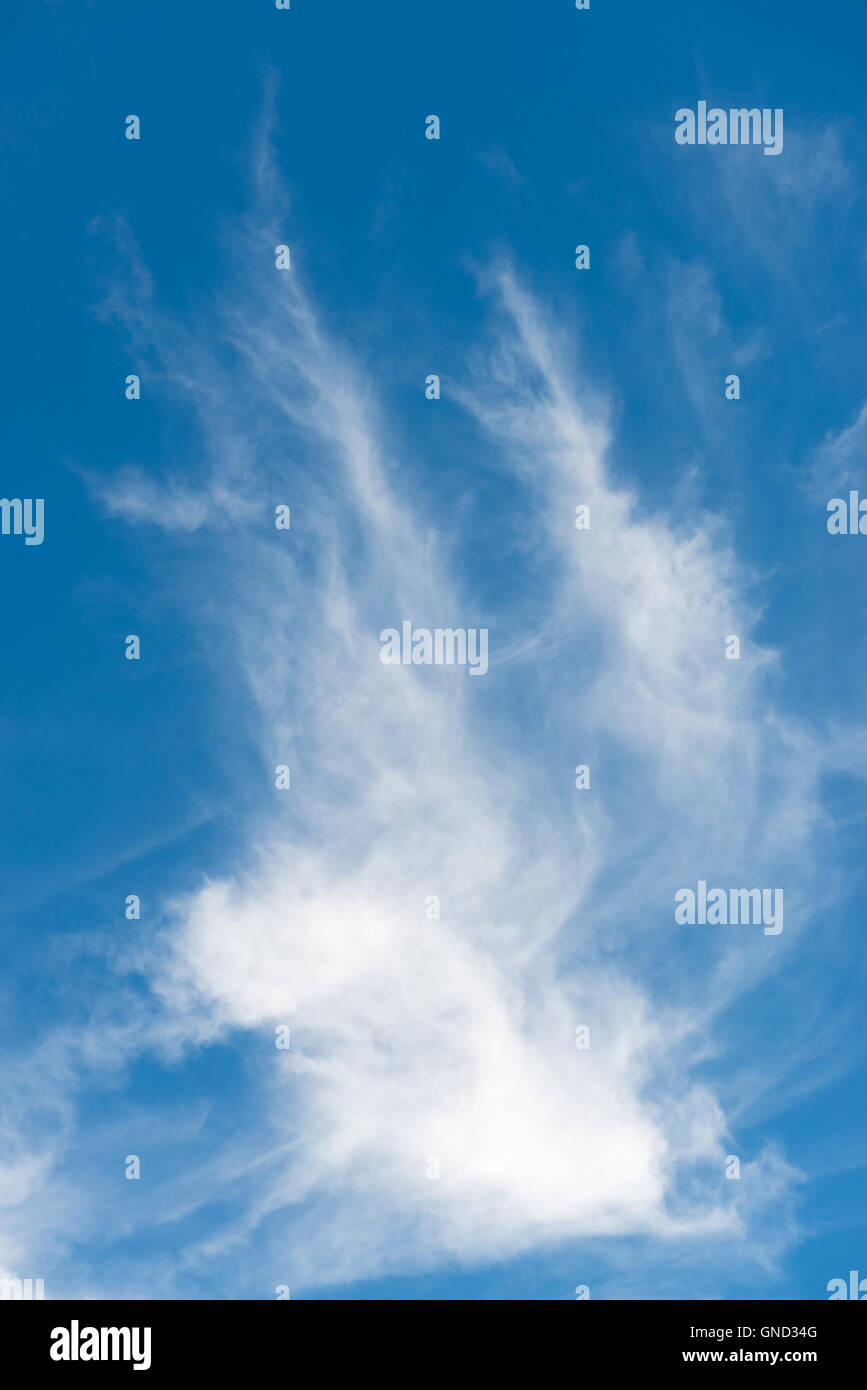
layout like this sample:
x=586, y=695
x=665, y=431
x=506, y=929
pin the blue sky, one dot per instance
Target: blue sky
x=413, y=1037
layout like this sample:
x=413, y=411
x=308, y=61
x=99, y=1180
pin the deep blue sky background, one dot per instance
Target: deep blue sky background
x=556, y=129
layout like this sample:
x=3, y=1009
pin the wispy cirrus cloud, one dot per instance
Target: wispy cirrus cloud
x=453, y=1038
x=836, y=461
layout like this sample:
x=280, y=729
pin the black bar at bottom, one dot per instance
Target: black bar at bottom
x=156, y=1339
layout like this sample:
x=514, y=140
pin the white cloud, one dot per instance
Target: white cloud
x=455, y=1038
x=837, y=464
